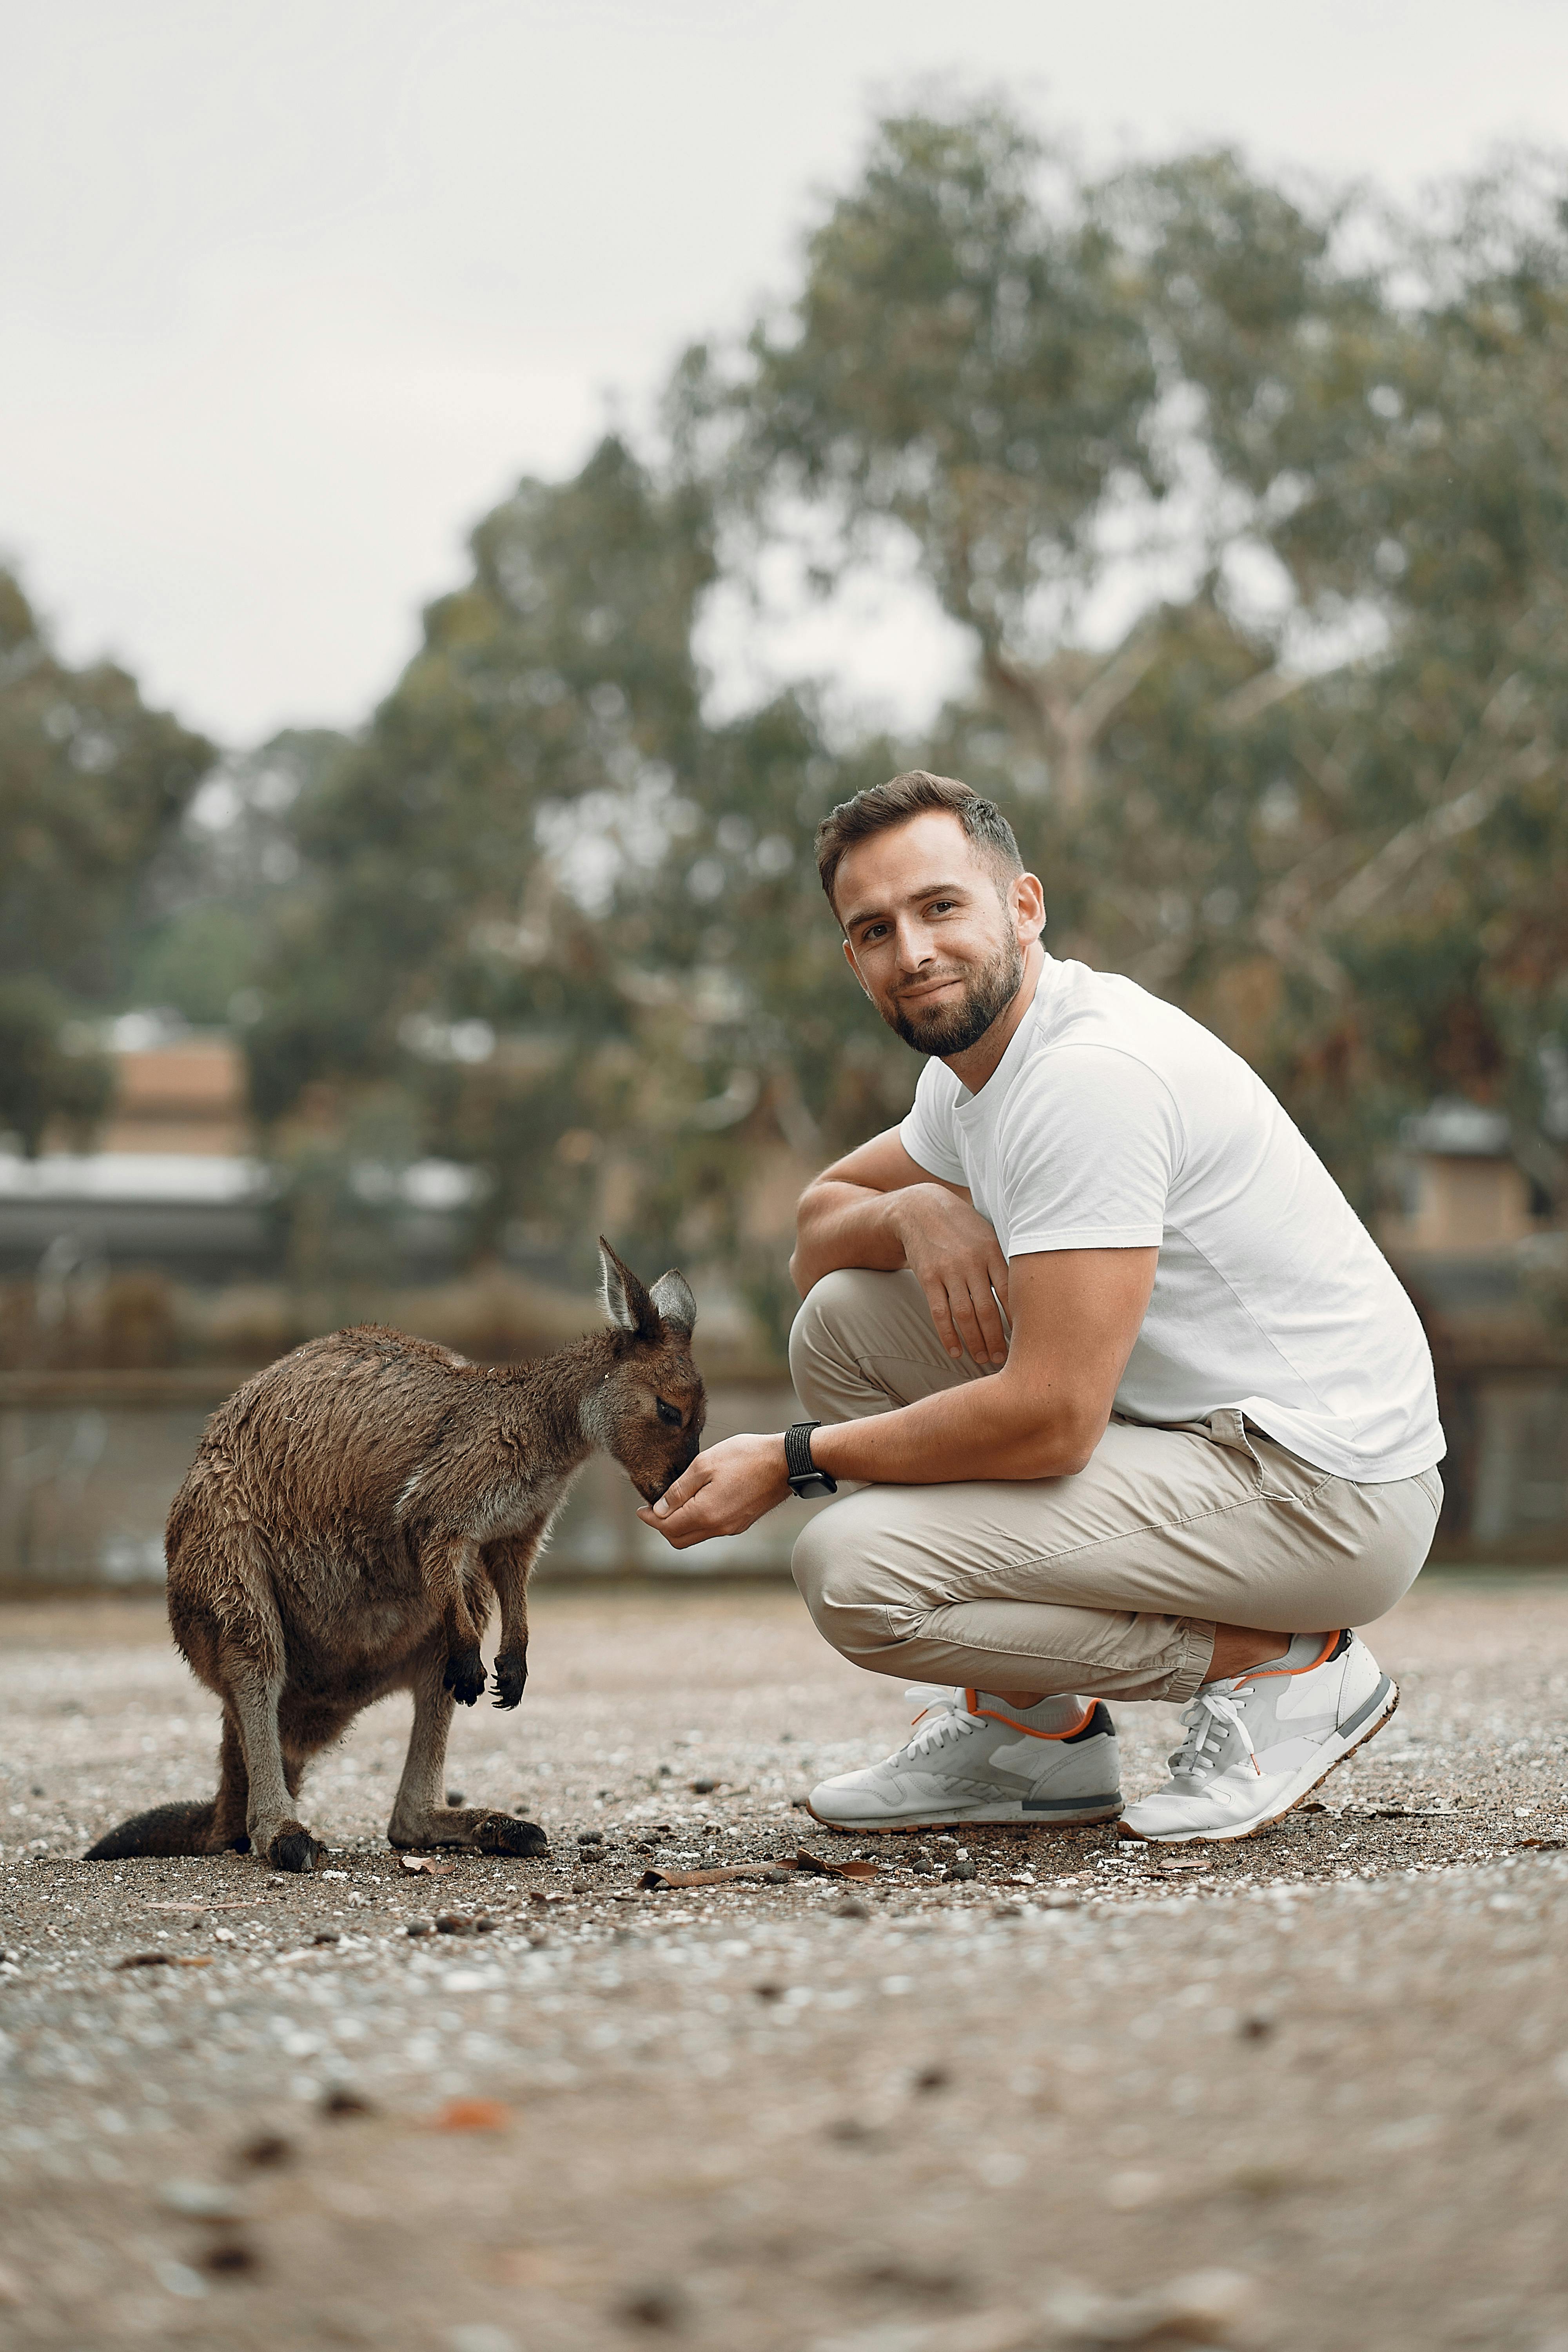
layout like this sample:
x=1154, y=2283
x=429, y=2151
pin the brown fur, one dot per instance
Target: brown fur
x=347, y=1518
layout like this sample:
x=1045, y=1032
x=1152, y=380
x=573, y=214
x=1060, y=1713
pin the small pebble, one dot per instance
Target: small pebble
x=654, y=2305
x=327, y=1936
x=454, y=1796
x=420, y=1927
x=963, y=1870
x=229, y=2258
x=703, y=1788
x=342, y=2101
x=590, y=1837
x=266, y=2149
x=204, y=2200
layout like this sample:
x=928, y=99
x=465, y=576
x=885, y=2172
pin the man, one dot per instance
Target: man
x=1135, y=1407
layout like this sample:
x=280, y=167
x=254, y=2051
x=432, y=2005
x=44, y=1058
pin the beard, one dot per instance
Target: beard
x=952, y=1028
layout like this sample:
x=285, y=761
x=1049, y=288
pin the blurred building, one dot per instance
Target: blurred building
x=1463, y=1192
x=1476, y=1243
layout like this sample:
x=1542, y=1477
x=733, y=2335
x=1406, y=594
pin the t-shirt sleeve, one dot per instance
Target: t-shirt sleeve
x=927, y=1133
x=1090, y=1144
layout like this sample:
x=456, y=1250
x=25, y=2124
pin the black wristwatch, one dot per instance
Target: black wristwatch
x=805, y=1478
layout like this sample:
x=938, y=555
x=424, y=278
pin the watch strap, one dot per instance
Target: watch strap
x=805, y=1478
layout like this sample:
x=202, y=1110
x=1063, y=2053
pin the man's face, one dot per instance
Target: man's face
x=934, y=934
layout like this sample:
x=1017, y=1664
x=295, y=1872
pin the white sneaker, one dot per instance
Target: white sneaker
x=975, y=1759
x=1259, y=1742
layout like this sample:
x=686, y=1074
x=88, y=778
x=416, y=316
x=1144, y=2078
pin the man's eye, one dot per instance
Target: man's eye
x=668, y=1413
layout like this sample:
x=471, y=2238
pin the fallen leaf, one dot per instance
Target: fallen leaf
x=423, y=1865
x=472, y=2115
x=1165, y=1867
x=814, y=1864
x=165, y=1960
x=1547, y=1845
x=772, y=1871
x=538, y=1894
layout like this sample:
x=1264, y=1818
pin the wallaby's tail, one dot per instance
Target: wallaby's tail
x=166, y=1830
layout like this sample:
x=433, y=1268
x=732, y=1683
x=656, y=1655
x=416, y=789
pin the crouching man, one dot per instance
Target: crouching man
x=1127, y=1403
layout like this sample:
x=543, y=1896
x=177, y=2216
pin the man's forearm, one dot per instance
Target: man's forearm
x=844, y=1224
x=991, y=1428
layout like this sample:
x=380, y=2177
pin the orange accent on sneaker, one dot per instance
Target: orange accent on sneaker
x=989, y=1714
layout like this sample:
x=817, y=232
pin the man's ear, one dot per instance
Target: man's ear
x=850, y=959
x=627, y=1307
x=1027, y=898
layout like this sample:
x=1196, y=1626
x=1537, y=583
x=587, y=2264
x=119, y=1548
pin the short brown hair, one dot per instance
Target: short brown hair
x=882, y=806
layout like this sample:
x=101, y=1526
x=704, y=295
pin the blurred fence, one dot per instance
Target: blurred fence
x=90, y=1461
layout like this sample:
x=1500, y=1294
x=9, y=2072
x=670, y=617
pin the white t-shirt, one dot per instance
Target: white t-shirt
x=1113, y=1121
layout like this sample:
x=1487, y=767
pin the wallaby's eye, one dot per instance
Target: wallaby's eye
x=668, y=1413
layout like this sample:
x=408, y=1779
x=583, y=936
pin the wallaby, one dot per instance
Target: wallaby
x=348, y=1515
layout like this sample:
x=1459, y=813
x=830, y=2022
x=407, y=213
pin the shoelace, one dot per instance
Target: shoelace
x=941, y=1719
x=1208, y=1717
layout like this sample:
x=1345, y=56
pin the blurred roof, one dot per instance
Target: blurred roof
x=1456, y=1130
x=102, y=1178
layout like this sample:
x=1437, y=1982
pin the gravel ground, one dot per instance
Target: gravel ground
x=1312, y=2094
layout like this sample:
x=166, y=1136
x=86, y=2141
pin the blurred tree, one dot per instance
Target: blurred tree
x=442, y=939
x=1315, y=793
x=91, y=782
x=1252, y=502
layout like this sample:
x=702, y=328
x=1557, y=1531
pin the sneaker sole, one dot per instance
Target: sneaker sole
x=1059, y=1813
x=1384, y=1704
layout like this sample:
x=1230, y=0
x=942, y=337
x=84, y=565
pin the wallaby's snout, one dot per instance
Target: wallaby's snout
x=653, y=1405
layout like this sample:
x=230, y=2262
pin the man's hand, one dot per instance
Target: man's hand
x=725, y=1489
x=878, y=1208
x=956, y=1258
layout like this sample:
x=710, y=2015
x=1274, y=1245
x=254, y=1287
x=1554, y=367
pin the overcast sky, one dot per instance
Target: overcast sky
x=291, y=290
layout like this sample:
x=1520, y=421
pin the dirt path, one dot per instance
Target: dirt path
x=921, y=2117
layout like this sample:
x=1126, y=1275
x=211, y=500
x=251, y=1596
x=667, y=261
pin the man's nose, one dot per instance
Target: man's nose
x=913, y=942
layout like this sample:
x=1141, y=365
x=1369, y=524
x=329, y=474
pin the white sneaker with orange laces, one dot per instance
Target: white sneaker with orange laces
x=1257, y=1743
x=973, y=1759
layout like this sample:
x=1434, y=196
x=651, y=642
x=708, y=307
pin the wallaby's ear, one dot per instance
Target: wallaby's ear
x=671, y=1294
x=627, y=1305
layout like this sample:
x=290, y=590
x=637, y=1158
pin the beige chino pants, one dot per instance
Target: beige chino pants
x=1108, y=1582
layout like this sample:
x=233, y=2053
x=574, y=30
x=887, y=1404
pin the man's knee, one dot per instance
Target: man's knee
x=861, y=1625
x=827, y=1310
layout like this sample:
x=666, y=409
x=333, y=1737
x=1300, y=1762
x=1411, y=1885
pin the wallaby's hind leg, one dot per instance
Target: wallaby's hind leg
x=420, y=1814
x=508, y=1562
x=276, y=1832
x=232, y=1804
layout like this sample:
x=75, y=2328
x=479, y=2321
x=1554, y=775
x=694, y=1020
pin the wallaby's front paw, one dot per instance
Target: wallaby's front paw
x=465, y=1676
x=503, y=1834
x=511, y=1673
x=296, y=1849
